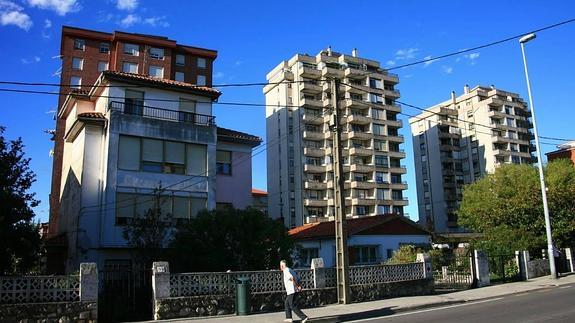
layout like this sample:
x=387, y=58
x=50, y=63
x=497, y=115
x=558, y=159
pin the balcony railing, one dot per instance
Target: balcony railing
x=163, y=114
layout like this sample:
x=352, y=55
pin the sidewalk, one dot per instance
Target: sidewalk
x=337, y=313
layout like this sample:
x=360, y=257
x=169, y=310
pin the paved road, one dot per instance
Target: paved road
x=549, y=305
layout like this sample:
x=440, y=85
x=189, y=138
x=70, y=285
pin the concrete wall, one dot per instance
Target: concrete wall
x=236, y=188
x=49, y=312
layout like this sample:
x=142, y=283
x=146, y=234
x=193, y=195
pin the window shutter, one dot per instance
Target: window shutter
x=175, y=152
x=129, y=154
x=196, y=160
x=152, y=150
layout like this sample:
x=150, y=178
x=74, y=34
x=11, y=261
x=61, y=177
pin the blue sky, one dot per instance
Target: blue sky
x=252, y=37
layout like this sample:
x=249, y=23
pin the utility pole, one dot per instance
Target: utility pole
x=342, y=263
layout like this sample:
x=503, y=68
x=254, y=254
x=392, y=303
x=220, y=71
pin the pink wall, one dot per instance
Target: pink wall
x=237, y=188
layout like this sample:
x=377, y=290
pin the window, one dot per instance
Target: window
x=156, y=71
x=129, y=153
x=79, y=44
x=378, y=114
x=365, y=254
x=180, y=60
x=174, y=157
x=129, y=205
x=381, y=161
x=128, y=67
x=381, y=177
x=197, y=158
x=201, y=80
x=375, y=83
x=188, y=109
x=157, y=53
x=75, y=82
x=77, y=63
x=152, y=155
x=102, y=66
x=180, y=76
x=360, y=210
x=201, y=62
x=224, y=162
x=375, y=98
x=132, y=49
x=104, y=48
x=133, y=102
x=379, y=145
x=306, y=255
x=378, y=129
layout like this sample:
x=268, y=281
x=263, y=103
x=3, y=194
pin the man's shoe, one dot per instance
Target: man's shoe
x=305, y=320
x=288, y=320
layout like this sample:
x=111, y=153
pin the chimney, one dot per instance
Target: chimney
x=329, y=51
x=492, y=87
x=466, y=89
x=354, y=52
x=453, y=97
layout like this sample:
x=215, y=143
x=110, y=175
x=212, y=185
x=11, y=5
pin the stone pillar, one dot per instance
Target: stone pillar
x=481, y=268
x=570, y=256
x=88, y=282
x=426, y=260
x=318, y=273
x=160, y=283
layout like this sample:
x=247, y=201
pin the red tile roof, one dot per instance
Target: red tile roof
x=91, y=115
x=370, y=225
x=200, y=90
x=229, y=135
x=255, y=191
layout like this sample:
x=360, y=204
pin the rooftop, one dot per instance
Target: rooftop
x=234, y=136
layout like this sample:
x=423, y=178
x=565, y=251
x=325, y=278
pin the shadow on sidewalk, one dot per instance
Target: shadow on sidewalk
x=354, y=316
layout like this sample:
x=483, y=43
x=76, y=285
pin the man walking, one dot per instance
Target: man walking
x=292, y=286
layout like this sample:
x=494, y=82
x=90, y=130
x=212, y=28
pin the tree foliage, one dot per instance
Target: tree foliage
x=230, y=239
x=20, y=246
x=506, y=207
x=404, y=255
x=148, y=234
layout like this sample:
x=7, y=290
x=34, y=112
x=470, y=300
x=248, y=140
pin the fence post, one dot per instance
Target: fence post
x=89, y=287
x=481, y=268
x=570, y=256
x=318, y=269
x=426, y=260
x=521, y=263
x=160, y=283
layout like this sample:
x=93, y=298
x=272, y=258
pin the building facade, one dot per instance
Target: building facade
x=460, y=140
x=566, y=151
x=300, y=166
x=85, y=54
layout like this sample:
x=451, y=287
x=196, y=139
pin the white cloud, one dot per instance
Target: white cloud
x=218, y=75
x=472, y=58
x=390, y=63
x=47, y=23
x=130, y=20
x=448, y=69
x=16, y=18
x=408, y=53
x=61, y=7
x=127, y=4
x=238, y=63
x=9, y=6
x=26, y=61
x=156, y=21
x=429, y=61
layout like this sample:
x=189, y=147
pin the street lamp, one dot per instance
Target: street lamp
x=550, y=247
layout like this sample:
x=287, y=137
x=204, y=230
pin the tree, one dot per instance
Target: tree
x=506, y=207
x=20, y=236
x=230, y=239
x=148, y=234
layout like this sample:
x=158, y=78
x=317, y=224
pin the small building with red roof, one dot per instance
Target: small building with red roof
x=371, y=239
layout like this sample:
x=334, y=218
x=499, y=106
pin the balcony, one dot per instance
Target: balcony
x=362, y=185
x=311, y=185
x=309, y=87
x=391, y=93
x=392, y=107
x=313, y=152
x=397, y=154
x=496, y=114
x=309, y=71
x=362, y=201
x=396, y=138
x=314, y=202
x=397, y=169
x=314, y=168
x=402, y=202
x=331, y=72
x=358, y=119
x=360, y=135
x=361, y=168
x=354, y=73
x=398, y=186
x=305, y=101
x=393, y=123
x=346, y=185
x=313, y=135
x=360, y=151
x=162, y=114
x=313, y=118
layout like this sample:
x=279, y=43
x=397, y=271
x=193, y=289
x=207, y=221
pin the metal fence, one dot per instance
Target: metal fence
x=377, y=274
x=163, y=114
x=39, y=289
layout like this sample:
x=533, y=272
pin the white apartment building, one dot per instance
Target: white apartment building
x=299, y=157
x=460, y=140
x=127, y=136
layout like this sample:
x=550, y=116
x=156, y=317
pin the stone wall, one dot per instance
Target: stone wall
x=49, y=312
x=538, y=268
x=196, y=306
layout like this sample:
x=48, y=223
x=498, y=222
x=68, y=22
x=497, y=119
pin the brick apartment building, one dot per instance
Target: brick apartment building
x=566, y=150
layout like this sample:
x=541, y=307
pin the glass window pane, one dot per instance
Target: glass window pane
x=201, y=62
x=201, y=80
x=180, y=77
x=157, y=53
x=77, y=63
x=156, y=71
x=180, y=59
x=223, y=156
x=181, y=207
x=129, y=153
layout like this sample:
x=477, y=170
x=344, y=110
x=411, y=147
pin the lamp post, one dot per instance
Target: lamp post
x=550, y=248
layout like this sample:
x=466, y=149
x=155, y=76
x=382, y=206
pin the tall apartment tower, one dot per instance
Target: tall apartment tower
x=460, y=140
x=86, y=54
x=299, y=157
